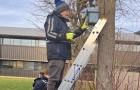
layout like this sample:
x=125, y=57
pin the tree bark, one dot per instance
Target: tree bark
x=106, y=47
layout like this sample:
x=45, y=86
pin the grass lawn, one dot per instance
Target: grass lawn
x=10, y=83
x=14, y=83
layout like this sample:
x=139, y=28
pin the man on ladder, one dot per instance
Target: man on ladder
x=58, y=36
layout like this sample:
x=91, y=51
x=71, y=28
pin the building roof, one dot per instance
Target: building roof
x=121, y=36
x=36, y=32
x=24, y=32
x=138, y=32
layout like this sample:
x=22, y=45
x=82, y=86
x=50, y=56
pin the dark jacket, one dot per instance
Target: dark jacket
x=58, y=47
x=40, y=83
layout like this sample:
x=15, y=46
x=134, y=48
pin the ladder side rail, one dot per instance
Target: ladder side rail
x=92, y=38
x=88, y=43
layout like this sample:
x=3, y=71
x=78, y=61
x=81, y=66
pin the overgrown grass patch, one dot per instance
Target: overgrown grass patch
x=10, y=83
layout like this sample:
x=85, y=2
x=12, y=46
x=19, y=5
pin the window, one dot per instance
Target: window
x=11, y=41
x=33, y=42
x=6, y=41
x=36, y=42
x=16, y=41
x=26, y=43
x=15, y=64
x=40, y=66
x=0, y=40
x=29, y=65
x=0, y=64
x=42, y=43
x=19, y=64
x=7, y=64
x=122, y=47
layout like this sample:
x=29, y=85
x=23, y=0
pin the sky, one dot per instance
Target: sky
x=15, y=13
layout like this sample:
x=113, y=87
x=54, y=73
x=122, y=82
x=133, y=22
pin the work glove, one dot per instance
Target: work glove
x=84, y=26
x=70, y=35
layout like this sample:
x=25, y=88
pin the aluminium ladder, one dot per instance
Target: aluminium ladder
x=83, y=57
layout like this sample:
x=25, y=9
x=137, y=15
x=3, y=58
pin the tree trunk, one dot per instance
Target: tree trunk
x=106, y=47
